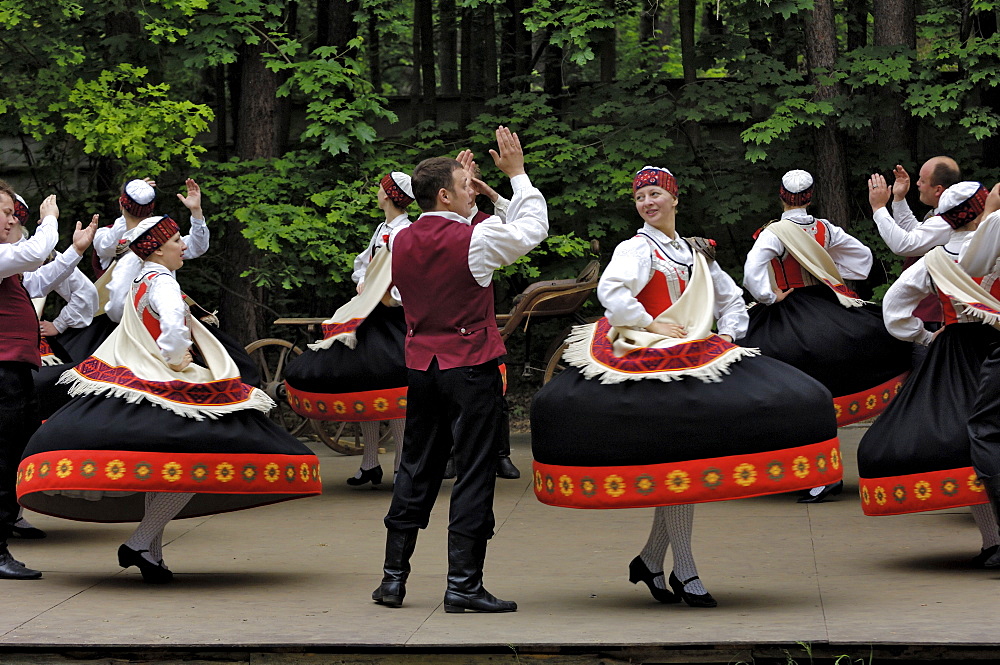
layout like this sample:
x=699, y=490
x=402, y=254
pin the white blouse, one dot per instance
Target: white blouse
x=166, y=301
x=631, y=268
x=852, y=258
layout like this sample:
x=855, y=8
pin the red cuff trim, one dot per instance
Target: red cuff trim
x=370, y=405
x=695, y=481
x=209, y=473
x=862, y=405
x=918, y=492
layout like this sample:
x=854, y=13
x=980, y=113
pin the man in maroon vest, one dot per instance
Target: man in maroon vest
x=443, y=267
x=19, y=356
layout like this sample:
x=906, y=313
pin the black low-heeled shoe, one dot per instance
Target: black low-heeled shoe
x=152, y=573
x=985, y=554
x=824, y=492
x=27, y=532
x=372, y=475
x=692, y=599
x=638, y=571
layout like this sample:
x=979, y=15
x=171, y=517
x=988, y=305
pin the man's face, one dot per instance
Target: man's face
x=462, y=197
x=7, y=218
x=929, y=194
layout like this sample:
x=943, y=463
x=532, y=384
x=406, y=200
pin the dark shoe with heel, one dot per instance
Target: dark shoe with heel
x=638, y=571
x=821, y=493
x=692, y=599
x=27, y=532
x=982, y=559
x=449, y=469
x=372, y=475
x=152, y=573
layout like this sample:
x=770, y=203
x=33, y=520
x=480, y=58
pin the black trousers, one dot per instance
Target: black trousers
x=984, y=423
x=18, y=421
x=459, y=407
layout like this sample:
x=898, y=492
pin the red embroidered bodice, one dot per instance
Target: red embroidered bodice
x=667, y=283
x=788, y=273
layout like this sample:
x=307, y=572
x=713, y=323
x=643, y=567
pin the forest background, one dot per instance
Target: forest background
x=288, y=112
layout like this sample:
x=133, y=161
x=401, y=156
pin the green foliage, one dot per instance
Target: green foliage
x=121, y=116
x=571, y=25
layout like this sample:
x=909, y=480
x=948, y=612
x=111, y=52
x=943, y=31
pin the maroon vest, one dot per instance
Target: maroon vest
x=19, y=334
x=449, y=316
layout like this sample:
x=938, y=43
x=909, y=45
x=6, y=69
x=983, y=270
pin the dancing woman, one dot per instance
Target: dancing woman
x=161, y=426
x=643, y=417
x=363, y=378
x=917, y=455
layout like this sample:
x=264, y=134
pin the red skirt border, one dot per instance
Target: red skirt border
x=208, y=473
x=369, y=405
x=862, y=405
x=919, y=492
x=694, y=481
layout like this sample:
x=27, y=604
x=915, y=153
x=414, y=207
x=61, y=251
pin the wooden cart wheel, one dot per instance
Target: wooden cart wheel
x=555, y=364
x=344, y=437
x=272, y=357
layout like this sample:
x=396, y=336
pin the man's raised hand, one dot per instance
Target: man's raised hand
x=510, y=158
x=901, y=185
x=49, y=207
x=193, y=199
x=84, y=236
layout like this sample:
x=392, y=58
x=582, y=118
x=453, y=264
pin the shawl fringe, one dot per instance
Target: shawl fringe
x=578, y=354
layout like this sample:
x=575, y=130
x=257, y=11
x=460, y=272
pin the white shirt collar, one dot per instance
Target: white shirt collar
x=396, y=221
x=447, y=214
x=799, y=216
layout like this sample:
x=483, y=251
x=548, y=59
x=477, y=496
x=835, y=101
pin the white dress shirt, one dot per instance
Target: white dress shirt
x=631, y=269
x=909, y=290
x=982, y=249
x=106, y=240
x=918, y=240
x=852, y=258
x=167, y=303
x=62, y=276
x=29, y=254
x=496, y=243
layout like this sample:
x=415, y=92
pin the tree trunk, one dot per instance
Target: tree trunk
x=686, y=12
x=423, y=29
x=256, y=138
x=985, y=25
x=895, y=26
x=552, y=79
x=857, y=23
x=607, y=49
x=648, y=14
x=221, y=117
x=471, y=66
x=374, y=52
x=515, y=48
x=448, y=47
x=343, y=27
x=821, y=53
x=489, y=37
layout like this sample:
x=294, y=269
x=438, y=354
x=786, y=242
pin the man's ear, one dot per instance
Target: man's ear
x=444, y=196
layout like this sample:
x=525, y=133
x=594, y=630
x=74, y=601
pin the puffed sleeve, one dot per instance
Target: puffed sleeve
x=626, y=275
x=167, y=301
x=730, y=310
x=197, y=240
x=902, y=299
x=756, y=279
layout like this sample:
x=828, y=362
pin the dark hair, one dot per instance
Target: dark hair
x=8, y=190
x=430, y=176
x=946, y=173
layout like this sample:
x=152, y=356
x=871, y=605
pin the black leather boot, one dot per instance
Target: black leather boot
x=12, y=569
x=992, y=485
x=466, y=557
x=505, y=468
x=399, y=544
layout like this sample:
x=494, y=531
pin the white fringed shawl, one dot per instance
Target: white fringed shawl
x=955, y=283
x=813, y=258
x=343, y=325
x=613, y=354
